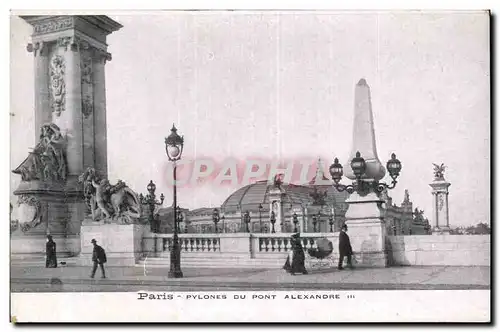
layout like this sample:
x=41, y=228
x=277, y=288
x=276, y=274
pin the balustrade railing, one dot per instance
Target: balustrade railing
x=283, y=244
x=193, y=244
x=188, y=244
x=255, y=243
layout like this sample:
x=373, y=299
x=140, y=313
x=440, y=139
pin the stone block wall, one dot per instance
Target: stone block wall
x=435, y=250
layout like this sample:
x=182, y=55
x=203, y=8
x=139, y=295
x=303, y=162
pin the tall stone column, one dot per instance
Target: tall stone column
x=64, y=47
x=440, y=201
x=69, y=117
x=43, y=112
x=99, y=115
x=364, y=216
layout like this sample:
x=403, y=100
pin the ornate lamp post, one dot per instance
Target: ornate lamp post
x=273, y=221
x=260, y=217
x=151, y=202
x=247, y=219
x=331, y=223
x=174, y=145
x=223, y=224
x=295, y=222
x=216, y=218
x=358, y=166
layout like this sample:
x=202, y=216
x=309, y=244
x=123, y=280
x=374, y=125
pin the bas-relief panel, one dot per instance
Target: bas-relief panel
x=86, y=65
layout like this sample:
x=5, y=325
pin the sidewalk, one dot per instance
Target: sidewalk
x=431, y=277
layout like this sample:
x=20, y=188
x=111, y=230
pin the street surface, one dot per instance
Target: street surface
x=133, y=279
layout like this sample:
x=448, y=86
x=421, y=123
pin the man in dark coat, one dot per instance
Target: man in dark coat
x=50, y=253
x=345, y=249
x=99, y=258
x=297, y=263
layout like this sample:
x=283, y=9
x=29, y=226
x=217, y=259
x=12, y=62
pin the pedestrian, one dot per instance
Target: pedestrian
x=50, y=253
x=345, y=249
x=295, y=262
x=99, y=258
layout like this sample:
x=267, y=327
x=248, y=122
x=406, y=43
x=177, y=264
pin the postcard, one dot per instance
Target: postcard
x=250, y=166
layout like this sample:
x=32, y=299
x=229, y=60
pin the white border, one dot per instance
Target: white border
x=83, y=299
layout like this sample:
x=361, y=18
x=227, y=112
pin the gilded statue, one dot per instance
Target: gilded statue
x=117, y=204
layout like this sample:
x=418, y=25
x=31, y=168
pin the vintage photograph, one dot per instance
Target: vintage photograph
x=302, y=159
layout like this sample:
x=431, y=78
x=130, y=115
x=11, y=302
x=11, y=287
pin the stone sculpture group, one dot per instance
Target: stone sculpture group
x=110, y=203
x=47, y=161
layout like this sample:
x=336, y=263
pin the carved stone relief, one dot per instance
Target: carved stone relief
x=53, y=25
x=86, y=68
x=87, y=89
x=57, y=84
x=440, y=202
x=32, y=215
x=87, y=106
x=66, y=42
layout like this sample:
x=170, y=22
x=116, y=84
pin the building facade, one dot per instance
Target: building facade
x=264, y=207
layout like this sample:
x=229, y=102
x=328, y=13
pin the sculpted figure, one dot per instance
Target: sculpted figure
x=110, y=203
x=439, y=171
x=278, y=180
x=47, y=161
x=319, y=198
x=101, y=189
x=419, y=214
x=57, y=84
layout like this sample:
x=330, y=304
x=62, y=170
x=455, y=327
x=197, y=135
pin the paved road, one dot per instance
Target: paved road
x=132, y=279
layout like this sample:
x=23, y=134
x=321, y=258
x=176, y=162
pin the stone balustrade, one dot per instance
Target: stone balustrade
x=255, y=245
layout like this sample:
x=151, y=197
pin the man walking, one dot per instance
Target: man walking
x=345, y=249
x=99, y=258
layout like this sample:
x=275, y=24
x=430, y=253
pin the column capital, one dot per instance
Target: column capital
x=38, y=48
x=102, y=56
x=68, y=43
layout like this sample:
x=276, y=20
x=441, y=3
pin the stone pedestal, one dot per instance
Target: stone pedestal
x=276, y=196
x=122, y=243
x=47, y=208
x=440, y=206
x=366, y=229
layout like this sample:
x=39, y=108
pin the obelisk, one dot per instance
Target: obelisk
x=366, y=226
x=70, y=53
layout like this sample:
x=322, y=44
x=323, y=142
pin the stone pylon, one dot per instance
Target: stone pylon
x=364, y=216
x=440, y=203
x=70, y=53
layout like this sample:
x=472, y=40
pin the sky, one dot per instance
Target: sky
x=280, y=85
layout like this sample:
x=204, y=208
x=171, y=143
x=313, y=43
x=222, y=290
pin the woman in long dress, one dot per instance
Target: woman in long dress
x=295, y=262
x=50, y=250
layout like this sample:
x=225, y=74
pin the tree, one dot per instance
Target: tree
x=480, y=228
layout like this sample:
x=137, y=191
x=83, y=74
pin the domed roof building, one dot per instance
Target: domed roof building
x=262, y=207
x=305, y=208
